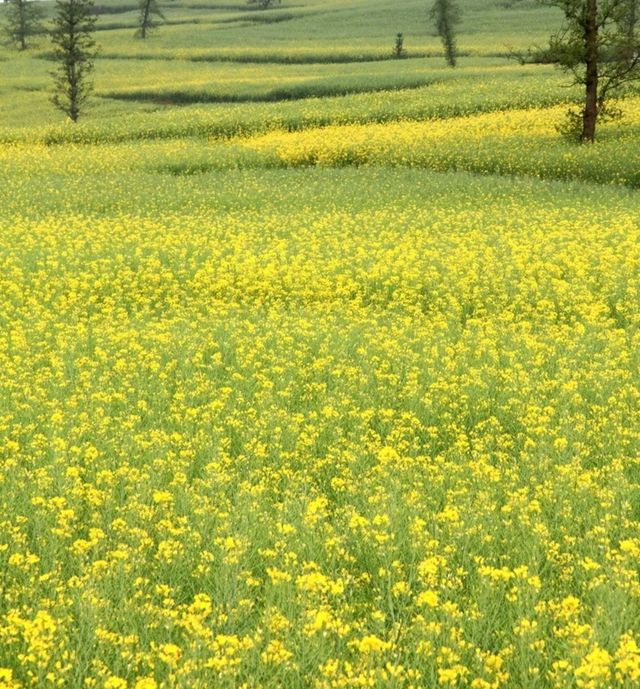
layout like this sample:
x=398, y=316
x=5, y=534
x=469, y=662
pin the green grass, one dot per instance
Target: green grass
x=453, y=93
x=216, y=56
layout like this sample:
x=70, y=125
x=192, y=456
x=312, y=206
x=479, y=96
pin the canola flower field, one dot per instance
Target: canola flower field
x=335, y=393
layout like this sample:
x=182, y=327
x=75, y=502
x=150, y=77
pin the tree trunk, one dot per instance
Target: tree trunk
x=23, y=26
x=590, y=113
x=145, y=19
x=633, y=20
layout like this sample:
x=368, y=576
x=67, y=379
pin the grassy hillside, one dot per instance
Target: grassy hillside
x=217, y=52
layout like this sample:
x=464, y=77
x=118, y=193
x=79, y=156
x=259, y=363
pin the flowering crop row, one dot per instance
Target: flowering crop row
x=315, y=428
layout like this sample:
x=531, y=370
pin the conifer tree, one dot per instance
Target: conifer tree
x=74, y=51
x=446, y=14
x=150, y=12
x=23, y=20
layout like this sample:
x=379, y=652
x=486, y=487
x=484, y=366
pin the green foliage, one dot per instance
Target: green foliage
x=74, y=51
x=398, y=47
x=23, y=20
x=618, y=41
x=150, y=13
x=599, y=46
x=571, y=126
x=446, y=15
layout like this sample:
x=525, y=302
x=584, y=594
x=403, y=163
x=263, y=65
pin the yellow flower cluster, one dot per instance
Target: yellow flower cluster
x=511, y=142
x=329, y=428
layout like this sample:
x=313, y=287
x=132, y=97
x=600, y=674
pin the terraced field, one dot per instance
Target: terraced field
x=319, y=369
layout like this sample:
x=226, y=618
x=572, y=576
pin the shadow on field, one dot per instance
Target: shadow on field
x=261, y=18
x=187, y=169
x=111, y=9
x=275, y=95
x=308, y=59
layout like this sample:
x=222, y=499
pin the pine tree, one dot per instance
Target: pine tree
x=74, y=50
x=398, y=47
x=446, y=14
x=149, y=11
x=23, y=20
